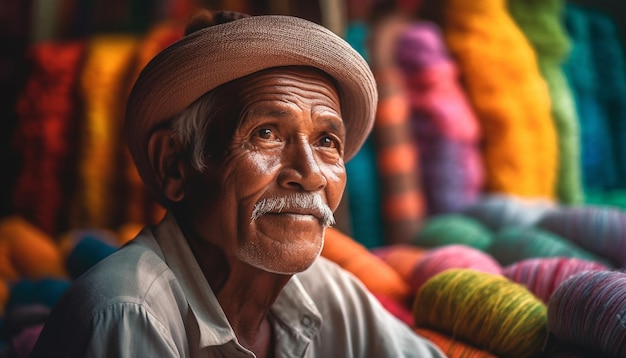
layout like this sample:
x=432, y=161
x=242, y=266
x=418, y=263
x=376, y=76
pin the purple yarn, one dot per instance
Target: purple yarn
x=452, y=175
x=589, y=309
x=446, y=128
x=421, y=46
x=542, y=275
x=599, y=229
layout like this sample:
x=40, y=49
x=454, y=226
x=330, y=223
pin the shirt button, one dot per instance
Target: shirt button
x=306, y=321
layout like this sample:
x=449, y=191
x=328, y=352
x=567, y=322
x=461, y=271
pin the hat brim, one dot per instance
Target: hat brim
x=218, y=54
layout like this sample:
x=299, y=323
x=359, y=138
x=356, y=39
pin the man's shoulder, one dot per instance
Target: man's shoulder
x=126, y=275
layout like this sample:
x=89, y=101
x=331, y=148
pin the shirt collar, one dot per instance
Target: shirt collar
x=293, y=307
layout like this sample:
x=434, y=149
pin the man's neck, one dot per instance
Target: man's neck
x=245, y=293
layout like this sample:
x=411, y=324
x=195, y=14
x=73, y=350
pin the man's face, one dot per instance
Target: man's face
x=288, y=145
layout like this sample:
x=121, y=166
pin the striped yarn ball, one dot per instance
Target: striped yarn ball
x=453, y=229
x=514, y=244
x=487, y=310
x=543, y=275
x=440, y=259
x=497, y=211
x=589, y=309
x=453, y=348
x=599, y=229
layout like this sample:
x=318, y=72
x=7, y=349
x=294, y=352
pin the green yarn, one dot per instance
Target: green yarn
x=487, y=310
x=615, y=198
x=513, y=244
x=541, y=23
x=453, y=229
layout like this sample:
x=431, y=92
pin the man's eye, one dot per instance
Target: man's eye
x=328, y=142
x=265, y=133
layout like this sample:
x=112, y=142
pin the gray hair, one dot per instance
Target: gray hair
x=192, y=125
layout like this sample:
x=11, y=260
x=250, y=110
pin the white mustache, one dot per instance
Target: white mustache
x=299, y=202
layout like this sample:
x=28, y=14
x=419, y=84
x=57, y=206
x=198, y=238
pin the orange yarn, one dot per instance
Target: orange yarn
x=27, y=252
x=401, y=257
x=103, y=85
x=375, y=274
x=4, y=296
x=511, y=99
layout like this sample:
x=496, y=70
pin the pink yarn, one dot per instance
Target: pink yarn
x=439, y=259
x=24, y=342
x=543, y=275
x=396, y=308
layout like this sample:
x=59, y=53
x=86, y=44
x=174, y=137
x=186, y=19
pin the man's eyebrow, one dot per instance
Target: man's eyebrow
x=334, y=124
x=276, y=112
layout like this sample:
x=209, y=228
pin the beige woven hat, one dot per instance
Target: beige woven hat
x=212, y=56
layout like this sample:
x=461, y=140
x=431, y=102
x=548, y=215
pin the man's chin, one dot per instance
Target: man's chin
x=288, y=264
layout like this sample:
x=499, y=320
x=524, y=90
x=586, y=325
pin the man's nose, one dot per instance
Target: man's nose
x=301, y=168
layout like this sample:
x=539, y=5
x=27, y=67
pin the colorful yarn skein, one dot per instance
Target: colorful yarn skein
x=518, y=243
x=487, y=310
x=104, y=89
x=497, y=211
x=598, y=159
x=453, y=348
x=599, y=229
x=402, y=198
x=363, y=190
x=445, y=126
x=589, y=310
x=439, y=259
x=541, y=23
x=502, y=79
x=543, y=275
x=45, y=134
x=449, y=229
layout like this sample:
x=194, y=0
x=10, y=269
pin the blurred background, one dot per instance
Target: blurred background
x=449, y=130
x=520, y=97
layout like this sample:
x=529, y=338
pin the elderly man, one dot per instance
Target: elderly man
x=241, y=128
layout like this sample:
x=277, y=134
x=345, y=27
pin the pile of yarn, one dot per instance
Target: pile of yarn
x=36, y=272
x=516, y=277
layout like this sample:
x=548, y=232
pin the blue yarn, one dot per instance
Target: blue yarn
x=363, y=186
x=598, y=161
x=364, y=197
x=357, y=33
x=46, y=291
x=87, y=252
x=609, y=62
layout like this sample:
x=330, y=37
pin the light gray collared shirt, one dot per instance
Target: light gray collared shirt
x=151, y=299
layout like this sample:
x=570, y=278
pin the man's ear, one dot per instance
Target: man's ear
x=164, y=152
